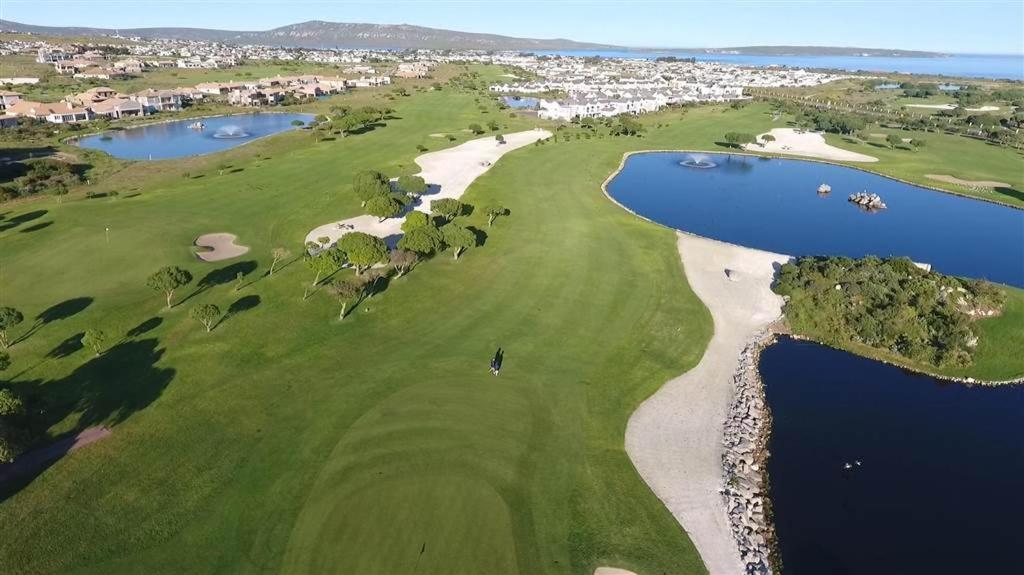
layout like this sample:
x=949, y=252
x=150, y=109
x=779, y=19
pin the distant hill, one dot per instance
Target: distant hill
x=822, y=51
x=319, y=34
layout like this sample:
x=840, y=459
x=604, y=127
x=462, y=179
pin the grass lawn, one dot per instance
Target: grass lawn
x=286, y=440
x=997, y=357
x=943, y=154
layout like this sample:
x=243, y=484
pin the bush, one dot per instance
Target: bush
x=890, y=305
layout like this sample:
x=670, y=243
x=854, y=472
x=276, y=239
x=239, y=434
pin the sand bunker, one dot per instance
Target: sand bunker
x=807, y=144
x=220, y=246
x=969, y=183
x=612, y=571
x=952, y=107
x=675, y=437
x=448, y=172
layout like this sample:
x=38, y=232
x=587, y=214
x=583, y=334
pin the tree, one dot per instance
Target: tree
x=10, y=403
x=493, y=211
x=917, y=144
x=369, y=184
x=402, y=261
x=412, y=185
x=322, y=263
x=415, y=219
x=493, y=125
x=94, y=338
x=447, y=208
x=476, y=129
x=383, y=207
x=628, y=126
x=737, y=139
x=346, y=291
x=5, y=360
x=893, y=140
x=167, y=279
x=278, y=255
x=458, y=238
x=9, y=317
x=423, y=240
x=362, y=250
x=206, y=314
x=500, y=139
x=767, y=138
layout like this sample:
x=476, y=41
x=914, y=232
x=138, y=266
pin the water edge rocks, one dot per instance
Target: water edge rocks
x=745, y=440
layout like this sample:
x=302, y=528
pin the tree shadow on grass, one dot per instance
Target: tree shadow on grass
x=57, y=312
x=240, y=305
x=481, y=236
x=221, y=276
x=64, y=309
x=106, y=390
x=35, y=227
x=144, y=327
x=1016, y=194
x=67, y=347
x=21, y=219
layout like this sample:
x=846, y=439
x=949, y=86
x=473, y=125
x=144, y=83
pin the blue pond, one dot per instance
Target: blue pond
x=175, y=139
x=938, y=488
x=773, y=204
x=521, y=103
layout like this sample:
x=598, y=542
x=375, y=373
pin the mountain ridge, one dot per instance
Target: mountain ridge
x=322, y=34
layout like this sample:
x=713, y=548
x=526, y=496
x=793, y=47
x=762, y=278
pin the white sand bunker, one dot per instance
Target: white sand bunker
x=807, y=144
x=952, y=107
x=612, y=571
x=448, y=172
x=969, y=183
x=219, y=246
x=675, y=437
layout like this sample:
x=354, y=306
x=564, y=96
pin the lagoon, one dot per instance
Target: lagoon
x=772, y=204
x=938, y=486
x=995, y=66
x=176, y=139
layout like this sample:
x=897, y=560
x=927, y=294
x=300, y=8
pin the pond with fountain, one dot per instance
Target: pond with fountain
x=873, y=469
x=191, y=137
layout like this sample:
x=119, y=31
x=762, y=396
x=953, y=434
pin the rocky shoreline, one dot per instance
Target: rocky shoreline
x=745, y=451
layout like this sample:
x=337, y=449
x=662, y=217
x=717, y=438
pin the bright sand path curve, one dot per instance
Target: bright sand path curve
x=675, y=437
x=448, y=173
x=807, y=144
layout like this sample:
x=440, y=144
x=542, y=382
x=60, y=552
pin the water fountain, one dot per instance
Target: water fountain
x=230, y=131
x=700, y=161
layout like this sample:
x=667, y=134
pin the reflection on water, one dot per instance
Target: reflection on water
x=177, y=139
x=773, y=204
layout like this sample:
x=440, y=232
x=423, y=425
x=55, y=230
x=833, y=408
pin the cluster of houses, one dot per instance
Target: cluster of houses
x=109, y=103
x=608, y=87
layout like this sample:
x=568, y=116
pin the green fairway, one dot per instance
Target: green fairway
x=287, y=441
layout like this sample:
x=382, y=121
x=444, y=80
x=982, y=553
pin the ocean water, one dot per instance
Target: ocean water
x=996, y=66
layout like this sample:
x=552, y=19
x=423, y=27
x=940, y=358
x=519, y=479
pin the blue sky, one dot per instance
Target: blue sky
x=939, y=25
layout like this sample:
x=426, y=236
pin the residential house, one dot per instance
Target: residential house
x=115, y=108
x=58, y=113
x=158, y=100
x=93, y=96
x=49, y=56
x=7, y=98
